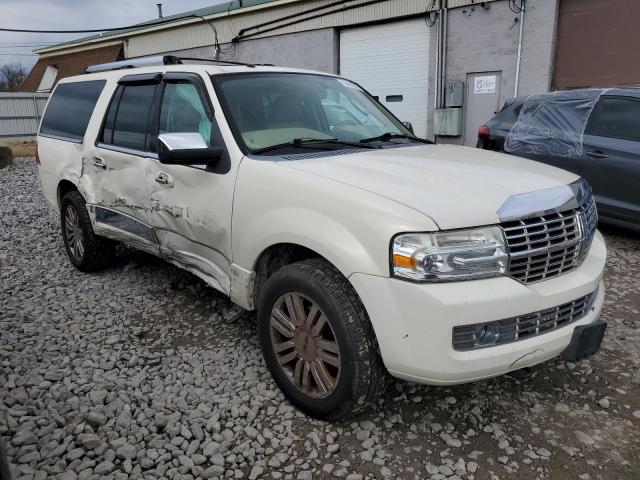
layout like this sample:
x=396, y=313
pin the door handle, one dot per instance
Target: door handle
x=164, y=179
x=99, y=163
x=597, y=154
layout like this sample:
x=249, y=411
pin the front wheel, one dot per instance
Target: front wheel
x=318, y=342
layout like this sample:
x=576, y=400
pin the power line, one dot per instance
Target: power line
x=100, y=30
x=515, y=8
x=427, y=16
x=20, y=44
x=27, y=46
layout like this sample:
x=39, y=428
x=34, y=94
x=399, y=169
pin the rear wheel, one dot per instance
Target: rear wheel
x=317, y=341
x=86, y=250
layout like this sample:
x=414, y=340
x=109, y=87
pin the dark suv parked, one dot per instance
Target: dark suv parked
x=594, y=133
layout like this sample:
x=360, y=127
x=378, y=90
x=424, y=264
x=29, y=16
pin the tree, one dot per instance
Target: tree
x=11, y=76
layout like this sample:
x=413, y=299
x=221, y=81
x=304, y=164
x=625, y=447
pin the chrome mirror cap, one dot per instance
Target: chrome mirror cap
x=183, y=141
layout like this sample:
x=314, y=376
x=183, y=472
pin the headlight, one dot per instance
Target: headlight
x=448, y=256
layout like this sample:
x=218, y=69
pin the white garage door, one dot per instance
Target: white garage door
x=391, y=61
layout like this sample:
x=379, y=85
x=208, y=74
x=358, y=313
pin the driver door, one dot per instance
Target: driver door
x=191, y=204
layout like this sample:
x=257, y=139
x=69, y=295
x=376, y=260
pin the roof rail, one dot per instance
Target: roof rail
x=134, y=63
x=159, y=60
x=210, y=60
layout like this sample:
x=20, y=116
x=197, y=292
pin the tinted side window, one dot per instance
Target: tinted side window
x=69, y=109
x=617, y=117
x=107, y=132
x=126, y=124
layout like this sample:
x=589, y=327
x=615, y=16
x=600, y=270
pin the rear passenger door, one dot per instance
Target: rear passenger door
x=119, y=163
x=612, y=157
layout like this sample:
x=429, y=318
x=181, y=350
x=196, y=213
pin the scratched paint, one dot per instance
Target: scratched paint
x=193, y=214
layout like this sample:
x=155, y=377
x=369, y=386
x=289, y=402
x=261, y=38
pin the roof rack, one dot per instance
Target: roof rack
x=134, y=63
x=155, y=61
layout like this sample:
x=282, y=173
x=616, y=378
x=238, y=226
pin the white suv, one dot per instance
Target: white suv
x=364, y=249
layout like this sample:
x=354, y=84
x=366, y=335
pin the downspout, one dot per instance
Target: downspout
x=436, y=96
x=519, y=59
x=443, y=58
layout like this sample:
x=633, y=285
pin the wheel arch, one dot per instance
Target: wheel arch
x=64, y=187
x=275, y=257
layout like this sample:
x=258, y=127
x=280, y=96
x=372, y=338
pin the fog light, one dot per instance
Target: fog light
x=486, y=334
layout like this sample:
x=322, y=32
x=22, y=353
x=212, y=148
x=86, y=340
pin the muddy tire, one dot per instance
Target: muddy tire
x=318, y=342
x=87, y=251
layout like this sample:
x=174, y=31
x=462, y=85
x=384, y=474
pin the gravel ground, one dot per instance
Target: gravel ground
x=142, y=371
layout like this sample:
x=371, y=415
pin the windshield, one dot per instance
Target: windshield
x=274, y=109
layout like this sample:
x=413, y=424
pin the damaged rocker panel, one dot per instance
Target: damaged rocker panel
x=126, y=223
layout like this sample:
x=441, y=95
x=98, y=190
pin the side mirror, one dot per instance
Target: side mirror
x=186, y=149
x=408, y=126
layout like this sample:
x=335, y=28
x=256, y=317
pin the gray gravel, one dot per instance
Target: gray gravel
x=142, y=371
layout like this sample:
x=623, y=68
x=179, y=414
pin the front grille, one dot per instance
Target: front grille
x=549, y=245
x=467, y=337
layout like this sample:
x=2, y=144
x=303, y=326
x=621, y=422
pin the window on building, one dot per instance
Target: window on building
x=70, y=108
x=126, y=123
x=48, y=79
x=617, y=117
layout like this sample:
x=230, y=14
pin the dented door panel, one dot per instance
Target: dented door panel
x=191, y=206
x=192, y=219
x=120, y=205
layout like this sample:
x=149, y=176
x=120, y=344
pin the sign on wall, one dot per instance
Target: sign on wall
x=486, y=84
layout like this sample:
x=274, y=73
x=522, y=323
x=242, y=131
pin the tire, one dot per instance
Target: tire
x=95, y=252
x=354, y=376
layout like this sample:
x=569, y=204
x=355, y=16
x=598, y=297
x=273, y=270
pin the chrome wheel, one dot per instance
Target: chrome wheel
x=73, y=232
x=305, y=345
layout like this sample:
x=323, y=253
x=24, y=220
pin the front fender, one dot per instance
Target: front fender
x=315, y=231
x=350, y=227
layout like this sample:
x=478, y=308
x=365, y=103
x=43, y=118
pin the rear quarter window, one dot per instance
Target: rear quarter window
x=70, y=108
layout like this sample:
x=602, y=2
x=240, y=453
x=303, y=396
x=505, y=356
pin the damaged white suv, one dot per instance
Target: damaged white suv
x=364, y=250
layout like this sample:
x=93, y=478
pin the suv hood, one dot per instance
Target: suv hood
x=455, y=186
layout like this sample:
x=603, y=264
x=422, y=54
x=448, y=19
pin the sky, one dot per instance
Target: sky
x=74, y=15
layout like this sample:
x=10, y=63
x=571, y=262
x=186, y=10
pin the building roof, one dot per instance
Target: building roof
x=165, y=22
x=69, y=64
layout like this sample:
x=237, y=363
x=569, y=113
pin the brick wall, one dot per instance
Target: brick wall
x=71, y=64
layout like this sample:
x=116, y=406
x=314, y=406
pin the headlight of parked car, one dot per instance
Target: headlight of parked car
x=450, y=255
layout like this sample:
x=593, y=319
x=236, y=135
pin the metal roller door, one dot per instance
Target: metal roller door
x=597, y=44
x=391, y=61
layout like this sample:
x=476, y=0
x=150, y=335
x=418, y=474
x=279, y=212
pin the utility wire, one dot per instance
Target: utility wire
x=26, y=30
x=100, y=30
x=427, y=16
x=516, y=6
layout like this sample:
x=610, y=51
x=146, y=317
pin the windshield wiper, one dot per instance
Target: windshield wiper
x=312, y=143
x=390, y=136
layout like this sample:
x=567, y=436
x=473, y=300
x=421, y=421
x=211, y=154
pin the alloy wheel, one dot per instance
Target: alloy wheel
x=73, y=232
x=305, y=345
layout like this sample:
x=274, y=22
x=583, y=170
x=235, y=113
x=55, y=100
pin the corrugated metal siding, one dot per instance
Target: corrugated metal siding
x=202, y=34
x=20, y=114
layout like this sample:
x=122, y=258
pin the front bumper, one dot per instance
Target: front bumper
x=414, y=322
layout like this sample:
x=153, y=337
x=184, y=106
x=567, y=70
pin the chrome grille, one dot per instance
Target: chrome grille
x=465, y=337
x=549, y=245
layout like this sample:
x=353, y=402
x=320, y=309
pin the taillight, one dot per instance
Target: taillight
x=37, y=155
x=484, y=131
